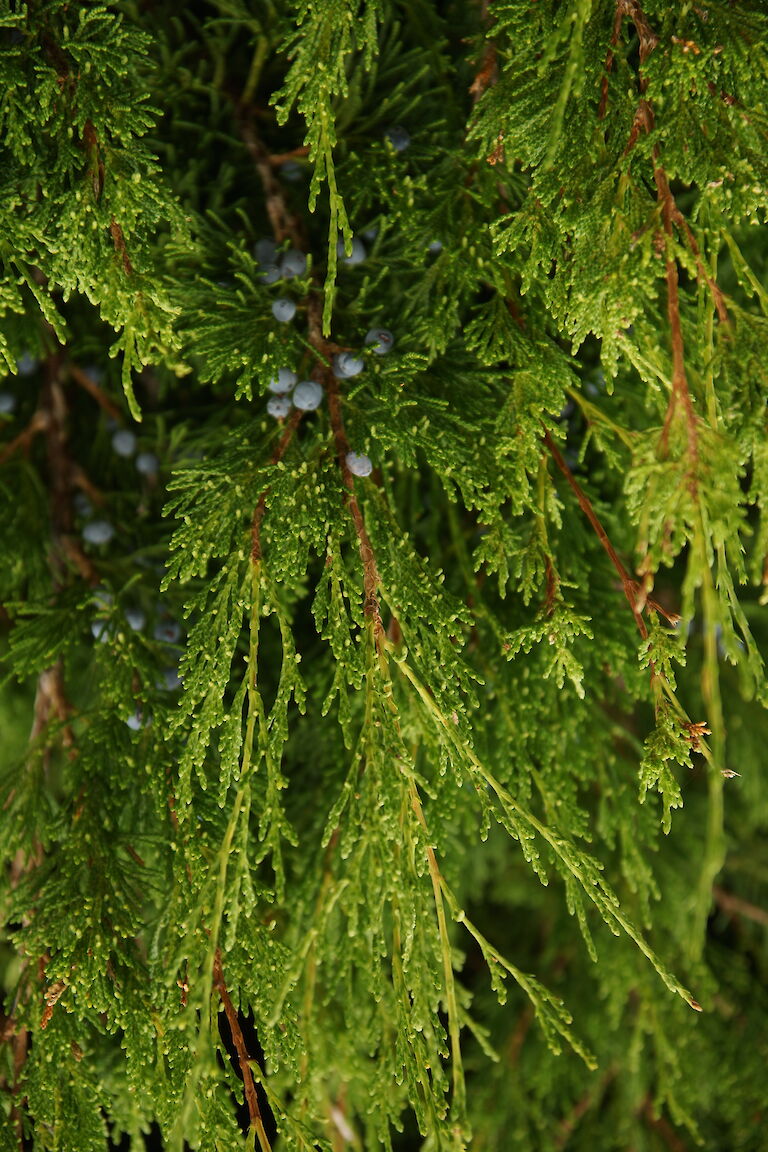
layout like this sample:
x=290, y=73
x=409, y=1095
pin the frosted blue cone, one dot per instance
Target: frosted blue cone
x=382, y=340
x=283, y=310
x=147, y=463
x=265, y=251
x=356, y=256
x=359, y=464
x=279, y=406
x=7, y=403
x=283, y=382
x=308, y=396
x=345, y=365
x=98, y=532
x=398, y=137
x=124, y=442
x=293, y=263
x=135, y=619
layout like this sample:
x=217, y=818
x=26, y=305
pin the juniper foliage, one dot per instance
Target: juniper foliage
x=320, y=790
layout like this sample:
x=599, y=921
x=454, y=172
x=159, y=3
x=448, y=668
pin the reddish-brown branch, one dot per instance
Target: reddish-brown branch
x=277, y=159
x=738, y=907
x=681, y=396
x=38, y=423
x=628, y=584
x=284, y=224
x=370, y=571
x=92, y=388
x=663, y=1127
x=118, y=240
x=254, y=1112
x=618, y=18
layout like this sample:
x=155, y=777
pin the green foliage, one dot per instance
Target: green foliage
x=318, y=790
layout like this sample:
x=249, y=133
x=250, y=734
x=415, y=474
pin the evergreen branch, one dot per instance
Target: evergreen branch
x=261, y=505
x=283, y=224
x=370, y=571
x=438, y=883
x=254, y=1112
x=571, y=860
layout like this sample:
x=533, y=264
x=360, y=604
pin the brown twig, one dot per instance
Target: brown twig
x=284, y=224
x=681, y=395
x=370, y=571
x=738, y=907
x=629, y=585
x=254, y=1112
x=92, y=388
x=487, y=73
x=38, y=423
x=618, y=19
x=663, y=1127
x=581, y=1107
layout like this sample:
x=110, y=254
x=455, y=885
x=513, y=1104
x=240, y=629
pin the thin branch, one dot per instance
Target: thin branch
x=254, y=1112
x=284, y=224
x=38, y=423
x=370, y=571
x=629, y=585
x=618, y=19
x=738, y=907
x=681, y=396
x=92, y=388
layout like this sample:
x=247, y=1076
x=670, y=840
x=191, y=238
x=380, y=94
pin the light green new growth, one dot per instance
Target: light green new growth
x=317, y=790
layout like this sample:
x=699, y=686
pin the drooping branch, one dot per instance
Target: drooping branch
x=243, y=1059
x=284, y=225
x=636, y=600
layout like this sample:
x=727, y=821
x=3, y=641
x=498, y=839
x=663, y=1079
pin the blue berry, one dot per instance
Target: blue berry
x=283, y=382
x=98, y=532
x=308, y=395
x=283, y=310
x=26, y=365
x=147, y=463
x=82, y=504
x=381, y=339
x=371, y=233
x=100, y=630
x=124, y=442
x=279, y=406
x=398, y=137
x=136, y=619
x=269, y=274
x=435, y=246
x=356, y=256
x=167, y=630
x=265, y=251
x=136, y=721
x=359, y=464
x=293, y=263
x=346, y=365
x=94, y=373
x=291, y=171
x=171, y=679
x=7, y=403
